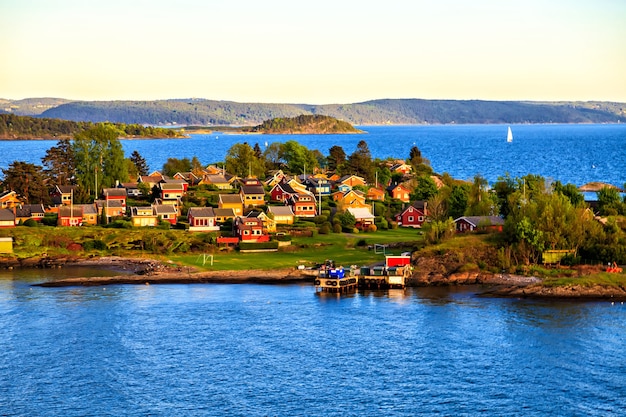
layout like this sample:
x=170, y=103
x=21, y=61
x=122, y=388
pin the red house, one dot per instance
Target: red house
x=413, y=215
x=70, y=216
x=250, y=229
x=115, y=195
x=303, y=205
x=282, y=192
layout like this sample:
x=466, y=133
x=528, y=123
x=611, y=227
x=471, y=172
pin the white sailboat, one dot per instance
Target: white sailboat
x=509, y=135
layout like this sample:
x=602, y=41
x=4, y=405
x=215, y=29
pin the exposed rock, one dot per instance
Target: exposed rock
x=597, y=292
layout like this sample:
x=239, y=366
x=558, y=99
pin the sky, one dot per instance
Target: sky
x=316, y=52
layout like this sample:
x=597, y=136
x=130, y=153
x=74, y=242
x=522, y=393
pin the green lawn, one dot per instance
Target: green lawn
x=342, y=248
x=603, y=278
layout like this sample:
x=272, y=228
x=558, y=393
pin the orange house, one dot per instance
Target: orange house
x=400, y=192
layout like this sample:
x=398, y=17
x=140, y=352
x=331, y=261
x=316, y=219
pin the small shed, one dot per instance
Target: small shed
x=6, y=245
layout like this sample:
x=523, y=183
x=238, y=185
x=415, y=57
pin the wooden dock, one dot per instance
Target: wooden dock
x=392, y=275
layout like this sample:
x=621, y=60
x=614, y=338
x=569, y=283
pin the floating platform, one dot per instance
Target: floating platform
x=392, y=275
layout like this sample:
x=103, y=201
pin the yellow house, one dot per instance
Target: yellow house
x=231, y=201
x=8, y=199
x=282, y=214
x=350, y=199
x=269, y=224
x=252, y=193
x=143, y=216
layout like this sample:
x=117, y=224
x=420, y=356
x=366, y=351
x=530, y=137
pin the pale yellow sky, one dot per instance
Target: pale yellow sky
x=316, y=52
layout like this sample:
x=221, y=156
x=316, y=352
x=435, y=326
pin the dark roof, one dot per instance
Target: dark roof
x=230, y=198
x=27, y=210
x=66, y=189
x=67, y=211
x=252, y=189
x=280, y=210
x=420, y=205
x=88, y=208
x=165, y=209
x=112, y=203
x=114, y=192
x=7, y=215
x=482, y=220
x=224, y=212
x=6, y=193
x=286, y=188
x=201, y=212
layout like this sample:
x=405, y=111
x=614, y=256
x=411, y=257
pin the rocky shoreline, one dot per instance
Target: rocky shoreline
x=141, y=271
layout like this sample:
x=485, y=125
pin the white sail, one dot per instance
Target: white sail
x=509, y=135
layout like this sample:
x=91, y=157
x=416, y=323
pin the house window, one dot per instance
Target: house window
x=410, y=219
x=420, y=218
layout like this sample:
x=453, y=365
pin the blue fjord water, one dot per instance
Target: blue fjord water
x=262, y=350
x=283, y=350
x=574, y=154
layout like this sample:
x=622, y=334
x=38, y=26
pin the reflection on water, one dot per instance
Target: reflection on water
x=257, y=350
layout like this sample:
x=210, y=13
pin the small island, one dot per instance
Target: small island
x=304, y=124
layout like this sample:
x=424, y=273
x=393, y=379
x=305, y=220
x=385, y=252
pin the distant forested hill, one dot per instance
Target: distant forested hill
x=26, y=127
x=388, y=111
x=30, y=106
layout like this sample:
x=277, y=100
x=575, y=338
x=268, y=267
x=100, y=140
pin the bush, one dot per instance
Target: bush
x=355, y=230
x=49, y=220
x=30, y=223
x=361, y=242
x=320, y=219
x=336, y=228
x=95, y=244
x=570, y=260
x=164, y=225
x=255, y=245
x=119, y=224
x=325, y=229
x=372, y=228
x=283, y=237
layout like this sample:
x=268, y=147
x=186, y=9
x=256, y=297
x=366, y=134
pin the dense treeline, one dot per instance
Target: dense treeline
x=304, y=124
x=388, y=111
x=25, y=127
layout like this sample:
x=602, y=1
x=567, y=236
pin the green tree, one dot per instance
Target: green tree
x=272, y=156
x=241, y=161
x=27, y=180
x=336, y=158
x=174, y=165
x=420, y=165
x=145, y=190
x=480, y=202
x=570, y=191
x=382, y=175
x=360, y=162
x=457, y=200
x=298, y=158
x=438, y=230
x=424, y=189
x=504, y=187
x=140, y=163
x=347, y=221
x=99, y=158
x=609, y=201
x=257, y=151
x=59, y=163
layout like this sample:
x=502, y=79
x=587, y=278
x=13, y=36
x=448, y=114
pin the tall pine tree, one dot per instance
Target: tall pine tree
x=140, y=163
